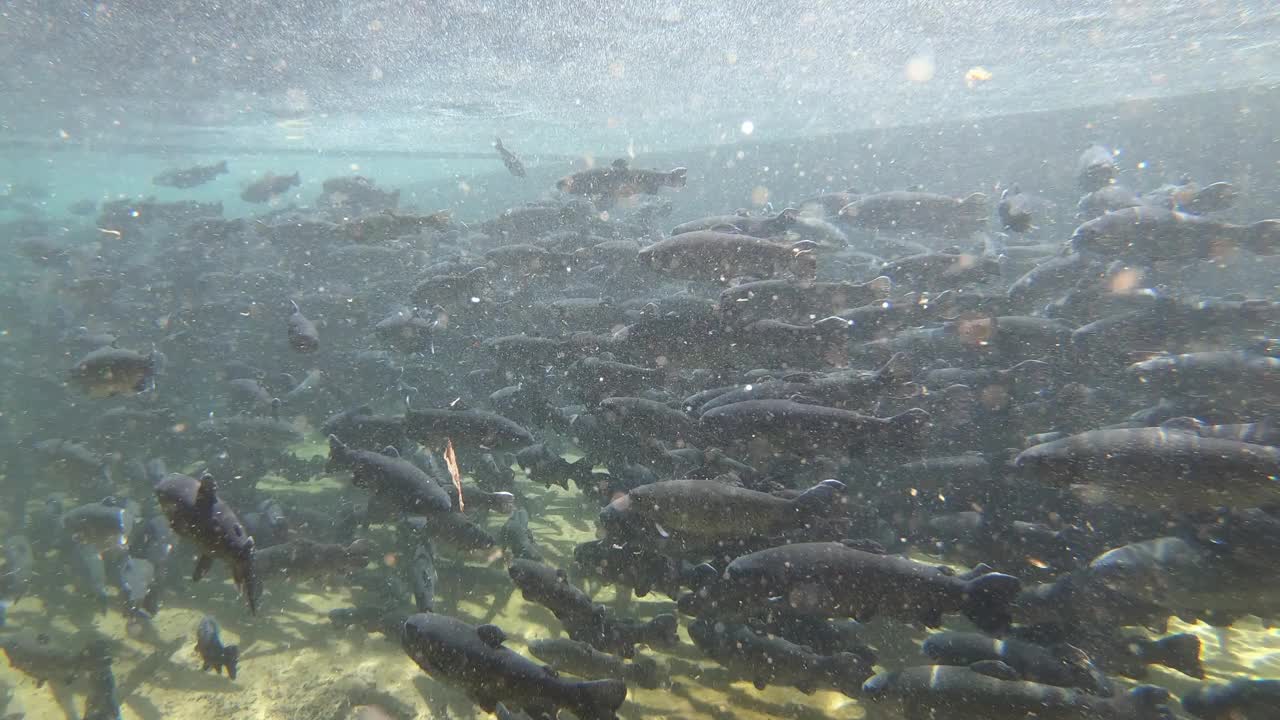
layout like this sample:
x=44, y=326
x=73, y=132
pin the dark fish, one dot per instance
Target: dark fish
x=516, y=538
x=791, y=298
x=764, y=226
x=18, y=570
x=992, y=690
x=713, y=511
x=98, y=525
x=46, y=658
x=801, y=425
x=303, y=336
x=1014, y=210
x=510, y=159
x=1149, y=233
x=474, y=659
x=1240, y=699
x=769, y=661
x=110, y=371
x=423, y=577
x=136, y=578
x=395, y=480
x=583, y=619
x=1095, y=169
x=836, y=580
x=579, y=658
x=908, y=211
x=638, y=566
x=466, y=428
x=192, y=176
x=1063, y=666
x=303, y=559
x=605, y=186
x=720, y=257
x=197, y=513
x=103, y=699
x=1157, y=466
x=213, y=654
x=269, y=187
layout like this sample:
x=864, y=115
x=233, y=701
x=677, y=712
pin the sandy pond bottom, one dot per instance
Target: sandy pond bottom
x=295, y=666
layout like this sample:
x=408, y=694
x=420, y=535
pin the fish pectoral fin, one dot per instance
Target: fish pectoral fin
x=207, y=495
x=203, y=564
x=996, y=669
x=491, y=635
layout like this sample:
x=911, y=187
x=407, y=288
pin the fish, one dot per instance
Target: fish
x=711, y=510
x=579, y=658
x=196, y=513
x=606, y=185
x=905, y=211
x=193, y=176
x=766, y=660
x=269, y=187
x=719, y=257
x=991, y=690
x=213, y=654
x=1239, y=699
x=110, y=371
x=1152, y=233
x=833, y=579
x=303, y=336
x=475, y=659
x=1095, y=168
x=509, y=159
x=584, y=620
x=1061, y=666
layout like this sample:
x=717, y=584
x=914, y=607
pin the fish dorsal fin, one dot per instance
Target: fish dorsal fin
x=491, y=635
x=621, y=164
x=870, y=546
x=207, y=495
x=996, y=669
x=1182, y=424
x=1071, y=654
x=391, y=451
x=458, y=404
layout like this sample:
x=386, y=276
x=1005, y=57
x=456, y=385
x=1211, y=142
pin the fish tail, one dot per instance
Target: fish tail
x=231, y=660
x=847, y=672
x=662, y=631
x=339, y=454
x=818, y=499
x=644, y=672
x=974, y=206
x=1263, y=237
x=1180, y=652
x=1146, y=702
x=246, y=579
x=987, y=600
x=599, y=699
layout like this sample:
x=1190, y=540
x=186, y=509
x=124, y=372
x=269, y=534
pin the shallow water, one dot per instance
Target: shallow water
x=763, y=103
